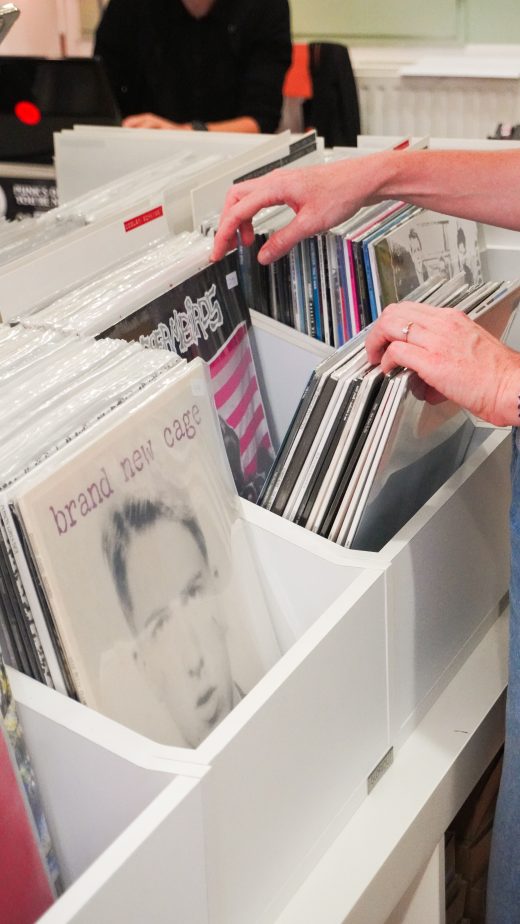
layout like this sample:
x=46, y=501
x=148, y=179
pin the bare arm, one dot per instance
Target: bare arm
x=470, y=184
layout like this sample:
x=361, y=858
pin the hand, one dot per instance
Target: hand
x=320, y=196
x=453, y=355
x=149, y=120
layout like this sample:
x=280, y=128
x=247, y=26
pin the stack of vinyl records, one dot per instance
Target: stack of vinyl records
x=332, y=285
x=162, y=180
x=366, y=451
x=171, y=297
x=30, y=875
x=126, y=579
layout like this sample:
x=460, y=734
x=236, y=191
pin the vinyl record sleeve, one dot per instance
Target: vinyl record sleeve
x=336, y=476
x=364, y=475
x=310, y=426
x=425, y=445
x=133, y=530
x=426, y=244
x=338, y=331
x=339, y=517
x=327, y=418
x=207, y=316
x=283, y=461
x=322, y=463
x=323, y=261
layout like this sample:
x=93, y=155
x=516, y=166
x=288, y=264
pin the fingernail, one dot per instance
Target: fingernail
x=264, y=256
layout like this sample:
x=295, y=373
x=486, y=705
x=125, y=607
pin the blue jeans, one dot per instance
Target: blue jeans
x=503, y=900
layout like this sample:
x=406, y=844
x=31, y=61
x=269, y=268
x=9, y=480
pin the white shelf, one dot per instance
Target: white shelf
x=395, y=831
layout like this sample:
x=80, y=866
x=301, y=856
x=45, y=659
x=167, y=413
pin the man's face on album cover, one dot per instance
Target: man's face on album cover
x=180, y=642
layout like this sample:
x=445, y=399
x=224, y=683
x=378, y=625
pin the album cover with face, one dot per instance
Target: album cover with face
x=428, y=244
x=135, y=534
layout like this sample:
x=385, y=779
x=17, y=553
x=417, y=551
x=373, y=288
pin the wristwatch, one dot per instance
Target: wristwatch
x=199, y=126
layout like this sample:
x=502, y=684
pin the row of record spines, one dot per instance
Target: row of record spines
x=322, y=287
x=19, y=636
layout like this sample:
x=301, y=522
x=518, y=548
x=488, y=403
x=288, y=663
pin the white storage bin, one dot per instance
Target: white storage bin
x=448, y=573
x=287, y=766
x=153, y=872
x=369, y=640
x=448, y=567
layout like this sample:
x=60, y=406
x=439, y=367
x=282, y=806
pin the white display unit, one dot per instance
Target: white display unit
x=393, y=847
x=279, y=747
x=371, y=641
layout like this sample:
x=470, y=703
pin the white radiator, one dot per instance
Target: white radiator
x=463, y=107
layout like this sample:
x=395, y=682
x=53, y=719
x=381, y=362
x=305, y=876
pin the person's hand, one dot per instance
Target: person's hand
x=453, y=355
x=320, y=196
x=149, y=120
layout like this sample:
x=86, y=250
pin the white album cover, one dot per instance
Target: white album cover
x=133, y=536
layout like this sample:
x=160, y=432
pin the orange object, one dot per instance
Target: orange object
x=298, y=81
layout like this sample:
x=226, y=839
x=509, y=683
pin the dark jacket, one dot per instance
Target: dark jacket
x=230, y=63
x=334, y=109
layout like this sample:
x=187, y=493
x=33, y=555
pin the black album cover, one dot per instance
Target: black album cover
x=21, y=195
x=207, y=316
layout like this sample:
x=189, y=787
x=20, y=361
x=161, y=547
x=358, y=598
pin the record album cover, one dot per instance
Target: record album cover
x=428, y=244
x=133, y=530
x=206, y=316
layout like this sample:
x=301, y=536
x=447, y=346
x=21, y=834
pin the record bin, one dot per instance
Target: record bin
x=279, y=776
x=370, y=640
x=448, y=567
x=153, y=871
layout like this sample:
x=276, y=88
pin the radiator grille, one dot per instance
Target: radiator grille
x=438, y=106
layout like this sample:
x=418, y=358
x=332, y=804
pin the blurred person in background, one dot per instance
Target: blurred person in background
x=215, y=65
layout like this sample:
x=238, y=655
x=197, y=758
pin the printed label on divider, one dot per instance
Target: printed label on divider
x=144, y=218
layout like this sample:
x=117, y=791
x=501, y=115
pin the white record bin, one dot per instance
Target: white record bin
x=287, y=766
x=448, y=567
x=369, y=640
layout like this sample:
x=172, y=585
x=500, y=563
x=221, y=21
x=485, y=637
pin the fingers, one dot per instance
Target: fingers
x=414, y=323
x=133, y=121
x=241, y=205
x=282, y=241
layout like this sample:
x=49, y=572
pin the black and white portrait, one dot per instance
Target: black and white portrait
x=145, y=558
x=158, y=558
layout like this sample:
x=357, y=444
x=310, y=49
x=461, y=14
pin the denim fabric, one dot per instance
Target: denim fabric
x=504, y=871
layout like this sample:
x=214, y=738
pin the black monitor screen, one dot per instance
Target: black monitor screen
x=39, y=96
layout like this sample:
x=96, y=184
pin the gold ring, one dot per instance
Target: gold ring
x=406, y=330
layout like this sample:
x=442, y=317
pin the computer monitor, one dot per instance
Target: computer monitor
x=39, y=96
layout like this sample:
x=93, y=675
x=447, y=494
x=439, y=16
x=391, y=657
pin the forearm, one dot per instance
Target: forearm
x=241, y=124
x=479, y=185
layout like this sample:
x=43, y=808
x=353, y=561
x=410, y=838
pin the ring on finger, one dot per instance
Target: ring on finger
x=406, y=330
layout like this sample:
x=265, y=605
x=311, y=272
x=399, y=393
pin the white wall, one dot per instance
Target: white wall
x=37, y=30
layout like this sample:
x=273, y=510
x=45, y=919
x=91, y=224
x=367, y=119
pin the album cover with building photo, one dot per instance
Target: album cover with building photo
x=428, y=244
x=133, y=529
x=207, y=316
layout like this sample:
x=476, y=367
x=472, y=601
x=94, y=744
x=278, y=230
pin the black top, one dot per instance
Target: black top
x=230, y=63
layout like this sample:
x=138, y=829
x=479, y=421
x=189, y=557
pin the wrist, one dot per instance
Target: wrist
x=391, y=174
x=507, y=402
x=378, y=176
